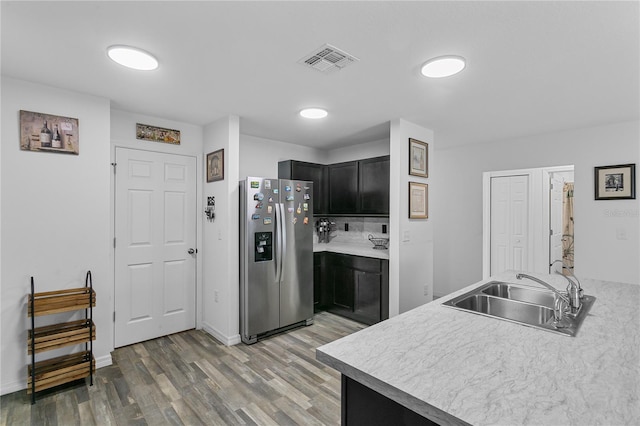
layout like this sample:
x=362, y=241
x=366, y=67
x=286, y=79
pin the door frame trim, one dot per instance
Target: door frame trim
x=199, y=226
x=538, y=244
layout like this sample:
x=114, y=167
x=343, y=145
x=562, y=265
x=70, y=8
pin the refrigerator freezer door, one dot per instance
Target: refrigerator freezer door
x=296, y=283
x=259, y=287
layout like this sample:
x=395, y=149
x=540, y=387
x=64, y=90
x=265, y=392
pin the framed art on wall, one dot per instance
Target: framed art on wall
x=418, y=200
x=144, y=132
x=215, y=165
x=418, y=158
x=615, y=182
x=50, y=133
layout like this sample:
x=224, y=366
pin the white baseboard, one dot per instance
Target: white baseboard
x=12, y=387
x=225, y=340
x=104, y=361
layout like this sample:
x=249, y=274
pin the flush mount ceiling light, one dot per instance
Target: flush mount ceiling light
x=314, y=113
x=443, y=66
x=132, y=57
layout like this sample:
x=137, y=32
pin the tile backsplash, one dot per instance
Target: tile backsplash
x=359, y=229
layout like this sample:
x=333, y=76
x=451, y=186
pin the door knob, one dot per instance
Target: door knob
x=191, y=251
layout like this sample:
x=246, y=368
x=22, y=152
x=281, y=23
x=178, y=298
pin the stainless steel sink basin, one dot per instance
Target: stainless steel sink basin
x=507, y=309
x=520, y=304
x=523, y=294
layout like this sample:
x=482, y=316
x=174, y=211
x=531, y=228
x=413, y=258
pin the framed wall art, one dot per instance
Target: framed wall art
x=47, y=132
x=615, y=182
x=215, y=165
x=418, y=200
x=144, y=132
x=418, y=158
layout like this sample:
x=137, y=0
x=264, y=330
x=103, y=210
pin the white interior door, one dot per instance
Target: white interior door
x=555, y=222
x=509, y=223
x=155, y=229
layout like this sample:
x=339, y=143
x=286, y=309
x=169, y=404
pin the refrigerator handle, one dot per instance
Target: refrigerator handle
x=283, y=236
x=278, y=242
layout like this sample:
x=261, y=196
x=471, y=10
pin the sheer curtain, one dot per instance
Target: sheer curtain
x=567, y=225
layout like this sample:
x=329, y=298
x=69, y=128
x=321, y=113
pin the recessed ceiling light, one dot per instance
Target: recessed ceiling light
x=314, y=113
x=132, y=57
x=443, y=66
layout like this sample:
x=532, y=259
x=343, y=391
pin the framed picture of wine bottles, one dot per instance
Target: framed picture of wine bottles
x=50, y=133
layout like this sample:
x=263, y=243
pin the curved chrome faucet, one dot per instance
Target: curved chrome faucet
x=573, y=288
x=560, y=301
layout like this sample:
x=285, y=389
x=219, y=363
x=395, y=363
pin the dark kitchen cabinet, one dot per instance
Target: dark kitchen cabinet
x=357, y=287
x=373, y=185
x=316, y=173
x=343, y=188
x=360, y=187
x=318, y=281
x=354, y=188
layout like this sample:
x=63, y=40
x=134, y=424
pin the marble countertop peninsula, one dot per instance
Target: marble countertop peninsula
x=353, y=248
x=456, y=367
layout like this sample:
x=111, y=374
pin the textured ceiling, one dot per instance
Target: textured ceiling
x=533, y=67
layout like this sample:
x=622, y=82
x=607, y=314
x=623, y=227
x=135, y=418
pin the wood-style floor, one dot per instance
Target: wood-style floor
x=190, y=378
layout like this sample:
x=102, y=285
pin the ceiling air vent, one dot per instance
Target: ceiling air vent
x=328, y=59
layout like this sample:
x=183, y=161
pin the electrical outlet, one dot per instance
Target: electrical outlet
x=215, y=295
x=346, y=227
x=384, y=228
x=426, y=290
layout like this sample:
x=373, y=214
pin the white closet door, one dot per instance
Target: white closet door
x=509, y=223
x=155, y=226
x=555, y=223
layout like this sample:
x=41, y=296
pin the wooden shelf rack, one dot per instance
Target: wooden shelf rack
x=56, y=371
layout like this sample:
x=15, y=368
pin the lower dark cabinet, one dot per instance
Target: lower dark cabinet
x=355, y=287
x=362, y=405
x=318, y=279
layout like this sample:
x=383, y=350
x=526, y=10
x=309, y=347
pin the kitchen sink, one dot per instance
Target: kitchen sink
x=520, y=304
x=520, y=293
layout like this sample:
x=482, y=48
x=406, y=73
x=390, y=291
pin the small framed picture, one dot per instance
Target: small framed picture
x=215, y=165
x=615, y=182
x=418, y=158
x=418, y=200
x=144, y=132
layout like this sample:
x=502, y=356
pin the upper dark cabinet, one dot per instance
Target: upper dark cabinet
x=300, y=170
x=357, y=188
x=373, y=184
x=343, y=188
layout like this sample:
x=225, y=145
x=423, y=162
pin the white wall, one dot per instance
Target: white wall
x=358, y=152
x=220, y=291
x=410, y=240
x=123, y=135
x=260, y=157
x=55, y=219
x=458, y=201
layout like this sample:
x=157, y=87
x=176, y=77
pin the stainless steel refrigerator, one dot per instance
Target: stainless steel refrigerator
x=276, y=256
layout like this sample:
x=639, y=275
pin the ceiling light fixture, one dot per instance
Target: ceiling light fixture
x=132, y=57
x=443, y=66
x=314, y=113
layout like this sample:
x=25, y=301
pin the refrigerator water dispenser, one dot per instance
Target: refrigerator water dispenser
x=264, y=246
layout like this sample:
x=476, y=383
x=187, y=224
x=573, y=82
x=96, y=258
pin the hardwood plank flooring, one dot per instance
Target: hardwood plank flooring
x=189, y=378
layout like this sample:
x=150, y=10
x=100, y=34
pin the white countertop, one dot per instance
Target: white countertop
x=457, y=367
x=353, y=248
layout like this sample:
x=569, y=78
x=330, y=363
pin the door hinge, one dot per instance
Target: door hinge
x=114, y=242
x=114, y=166
x=550, y=231
x=114, y=316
